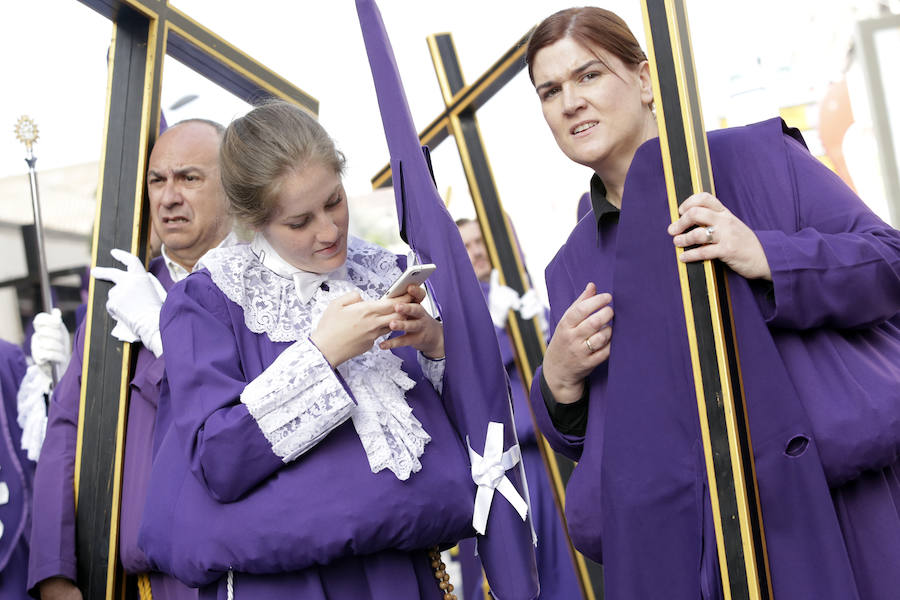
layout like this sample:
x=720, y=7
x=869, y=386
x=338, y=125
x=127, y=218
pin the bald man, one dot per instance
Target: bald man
x=188, y=211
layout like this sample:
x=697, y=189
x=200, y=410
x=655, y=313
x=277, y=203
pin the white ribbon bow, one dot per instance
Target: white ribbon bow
x=489, y=473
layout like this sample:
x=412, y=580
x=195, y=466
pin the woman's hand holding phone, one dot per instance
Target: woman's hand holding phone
x=420, y=330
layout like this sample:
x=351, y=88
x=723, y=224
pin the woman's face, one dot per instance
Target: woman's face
x=598, y=116
x=308, y=227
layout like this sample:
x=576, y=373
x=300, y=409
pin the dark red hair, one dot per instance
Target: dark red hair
x=591, y=27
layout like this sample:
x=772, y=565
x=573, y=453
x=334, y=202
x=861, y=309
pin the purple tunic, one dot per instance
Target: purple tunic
x=16, y=474
x=53, y=533
x=820, y=367
x=302, y=528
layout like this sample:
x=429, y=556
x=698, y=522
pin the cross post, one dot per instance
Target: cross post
x=144, y=32
x=737, y=515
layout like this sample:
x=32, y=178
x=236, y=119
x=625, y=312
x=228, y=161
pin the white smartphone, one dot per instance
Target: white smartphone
x=414, y=275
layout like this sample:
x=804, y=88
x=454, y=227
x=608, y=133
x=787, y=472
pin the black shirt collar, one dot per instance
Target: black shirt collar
x=604, y=210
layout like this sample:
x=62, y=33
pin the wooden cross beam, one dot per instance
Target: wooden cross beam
x=458, y=119
x=723, y=414
x=466, y=99
x=143, y=33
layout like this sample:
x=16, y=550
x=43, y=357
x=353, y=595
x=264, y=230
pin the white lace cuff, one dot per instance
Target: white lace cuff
x=433, y=369
x=32, y=409
x=297, y=400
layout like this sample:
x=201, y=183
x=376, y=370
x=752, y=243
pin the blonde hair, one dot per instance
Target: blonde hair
x=259, y=149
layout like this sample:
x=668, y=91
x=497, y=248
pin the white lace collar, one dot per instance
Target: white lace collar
x=269, y=297
x=305, y=282
x=390, y=434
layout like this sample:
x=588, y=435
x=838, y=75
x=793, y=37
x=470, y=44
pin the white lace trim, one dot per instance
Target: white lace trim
x=270, y=303
x=433, y=370
x=32, y=409
x=297, y=400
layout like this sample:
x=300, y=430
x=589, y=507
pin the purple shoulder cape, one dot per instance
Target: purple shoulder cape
x=315, y=510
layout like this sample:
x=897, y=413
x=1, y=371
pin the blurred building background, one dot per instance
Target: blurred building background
x=808, y=61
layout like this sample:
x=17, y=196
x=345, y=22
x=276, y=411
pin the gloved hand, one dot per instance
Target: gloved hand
x=530, y=305
x=50, y=343
x=134, y=301
x=501, y=299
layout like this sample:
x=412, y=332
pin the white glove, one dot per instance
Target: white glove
x=50, y=343
x=501, y=300
x=134, y=301
x=530, y=305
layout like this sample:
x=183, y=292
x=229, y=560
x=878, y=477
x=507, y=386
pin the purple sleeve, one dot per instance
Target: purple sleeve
x=839, y=246
x=205, y=381
x=53, y=523
x=142, y=402
x=569, y=446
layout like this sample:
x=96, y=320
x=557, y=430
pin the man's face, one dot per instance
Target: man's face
x=188, y=206
x=471, y=236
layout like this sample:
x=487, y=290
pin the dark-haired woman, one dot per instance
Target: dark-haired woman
x=820, y=356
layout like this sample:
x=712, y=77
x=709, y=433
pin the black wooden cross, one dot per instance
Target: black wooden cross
x=144, y=32
x=723, y=415
x=458, y=119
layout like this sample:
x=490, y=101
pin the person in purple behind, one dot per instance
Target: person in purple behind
x=554, y=562
x=188, y=212
x=16, y=473
x=820, y=358
x=285, y=374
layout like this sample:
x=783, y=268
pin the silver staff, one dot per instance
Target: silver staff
x=27, y=133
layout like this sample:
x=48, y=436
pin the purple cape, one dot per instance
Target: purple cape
x=16, y=474
x=53, y=533
x=815, y=360
x=301, y=525
x=476, y=389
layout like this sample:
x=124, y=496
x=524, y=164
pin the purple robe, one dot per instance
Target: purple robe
x=16, y=474
x=53, y=533
x=306, y=528
x=820, y=366
x=584, y=206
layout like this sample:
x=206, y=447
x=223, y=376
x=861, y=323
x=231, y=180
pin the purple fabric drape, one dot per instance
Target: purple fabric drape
x=476, y=390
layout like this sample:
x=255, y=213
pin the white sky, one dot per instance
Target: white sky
x=53, y=64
